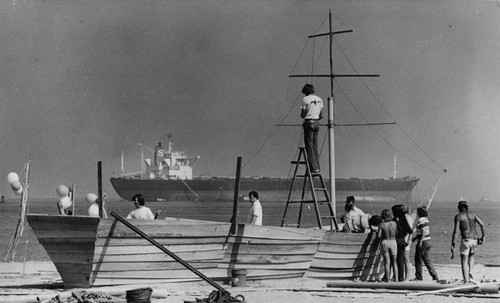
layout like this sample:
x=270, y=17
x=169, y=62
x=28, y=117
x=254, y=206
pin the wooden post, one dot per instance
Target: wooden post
x=234, y=220
x=99, y=187
x=73, y=199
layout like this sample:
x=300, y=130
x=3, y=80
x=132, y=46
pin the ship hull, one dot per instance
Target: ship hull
x=271, y=189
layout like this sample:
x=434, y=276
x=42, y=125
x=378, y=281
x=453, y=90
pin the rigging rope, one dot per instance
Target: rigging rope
x=285, y=115
x=390, y=116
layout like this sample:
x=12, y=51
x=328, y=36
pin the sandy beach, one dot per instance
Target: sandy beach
x=34, y=281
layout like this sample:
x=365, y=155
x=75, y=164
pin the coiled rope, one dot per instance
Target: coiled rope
x=218, y=296
x=87, y=297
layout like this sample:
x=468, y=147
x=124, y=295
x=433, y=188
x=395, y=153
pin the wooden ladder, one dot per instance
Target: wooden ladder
x=309, y=185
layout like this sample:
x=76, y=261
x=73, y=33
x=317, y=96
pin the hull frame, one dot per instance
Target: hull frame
x=89, y=251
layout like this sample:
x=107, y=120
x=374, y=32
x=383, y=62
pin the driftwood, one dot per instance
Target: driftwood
x=427, y=287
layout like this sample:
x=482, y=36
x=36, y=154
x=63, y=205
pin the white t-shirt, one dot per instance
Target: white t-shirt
x=255, y=211
x=141, y=213
x=313, y=104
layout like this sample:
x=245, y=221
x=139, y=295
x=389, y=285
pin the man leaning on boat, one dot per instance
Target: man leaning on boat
x=142, y=212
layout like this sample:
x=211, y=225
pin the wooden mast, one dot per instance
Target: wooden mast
x=331, y=111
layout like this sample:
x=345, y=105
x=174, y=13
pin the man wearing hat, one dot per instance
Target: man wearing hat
x=465, y=222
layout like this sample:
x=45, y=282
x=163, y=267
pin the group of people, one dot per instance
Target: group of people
x=397, y=232
x=397, y=229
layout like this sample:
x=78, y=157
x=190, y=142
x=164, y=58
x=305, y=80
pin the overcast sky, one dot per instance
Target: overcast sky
x=82, y=81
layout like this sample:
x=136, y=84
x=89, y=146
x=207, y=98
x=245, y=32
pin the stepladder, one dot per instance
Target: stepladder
x=313, y=196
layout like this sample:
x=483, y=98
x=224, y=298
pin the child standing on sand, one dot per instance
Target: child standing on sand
x=387, y=231
x=423, y=247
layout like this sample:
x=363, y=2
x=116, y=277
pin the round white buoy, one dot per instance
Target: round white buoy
x=94, y=210
x=65, y=202
x=12, y=177
x=91, y=197
x=62, y=191
x=16, y=185
x=19, y=191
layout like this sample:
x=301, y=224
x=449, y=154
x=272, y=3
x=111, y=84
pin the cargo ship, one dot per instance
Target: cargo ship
x=169, y=177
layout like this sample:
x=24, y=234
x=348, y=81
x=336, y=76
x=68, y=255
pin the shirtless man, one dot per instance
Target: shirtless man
x=465, y=222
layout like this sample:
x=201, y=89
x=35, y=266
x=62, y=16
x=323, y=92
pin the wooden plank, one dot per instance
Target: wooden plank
x=69, y=248
x=158, y=274
x=285, y=266
x=267, y=259
x=66, y=240
x=73, y=258
x=164, y=229
x=64, y=233
x=346, y=249
x=151, y=266
x=278, y=233
x=272, y=249
x=159, y=256
x=349, y=238
x=133, y=281
x=325, y=257
x=76, y=223
x=149, y=248
x=267, y=241
x=187, y=243
x=168, y=221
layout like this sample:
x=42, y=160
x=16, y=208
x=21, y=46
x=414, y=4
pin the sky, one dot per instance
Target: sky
x=84, y=81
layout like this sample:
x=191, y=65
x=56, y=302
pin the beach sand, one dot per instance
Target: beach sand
x=26, y=282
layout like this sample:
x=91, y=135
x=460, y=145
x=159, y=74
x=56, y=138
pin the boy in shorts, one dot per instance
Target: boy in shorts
x=387, y=231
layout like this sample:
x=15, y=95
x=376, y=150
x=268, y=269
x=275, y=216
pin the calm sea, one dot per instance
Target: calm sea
x=441, y=216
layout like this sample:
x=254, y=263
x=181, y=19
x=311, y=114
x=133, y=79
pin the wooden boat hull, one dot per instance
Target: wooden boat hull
x=348, y=256
x=90, y=251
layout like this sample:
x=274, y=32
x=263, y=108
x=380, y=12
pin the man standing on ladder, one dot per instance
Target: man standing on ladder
x=310, y=111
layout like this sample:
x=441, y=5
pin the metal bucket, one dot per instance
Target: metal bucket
x=140, y=295
x=239, y=277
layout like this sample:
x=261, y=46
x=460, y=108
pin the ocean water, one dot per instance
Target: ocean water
x=441, y=216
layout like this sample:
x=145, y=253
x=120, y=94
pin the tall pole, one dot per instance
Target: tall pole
x=331, y=110
x=99, y=187
x=234, y=221
x=331, y=125
x=142, y=160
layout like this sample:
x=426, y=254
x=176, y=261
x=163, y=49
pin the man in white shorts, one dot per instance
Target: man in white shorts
x=465, y=222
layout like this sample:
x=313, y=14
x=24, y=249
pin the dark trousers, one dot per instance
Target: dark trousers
x=400, y=258
x=311, y=130
x=422, y=254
